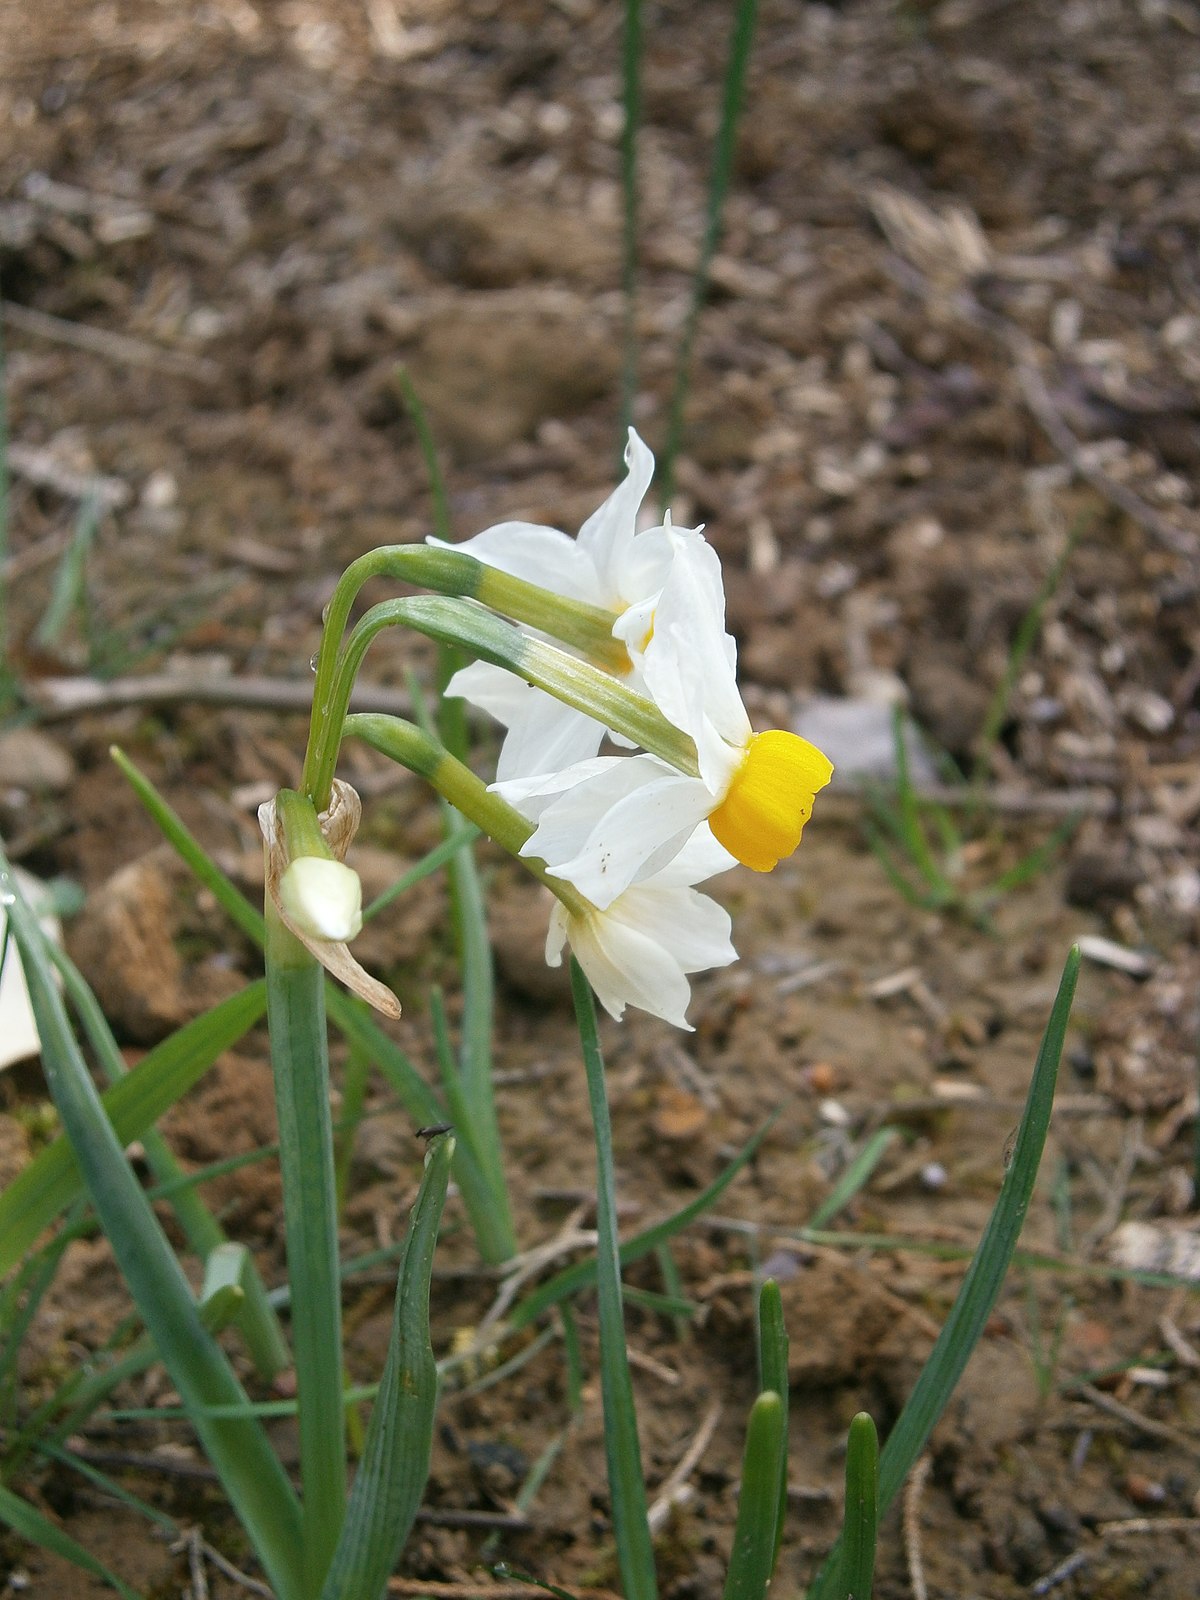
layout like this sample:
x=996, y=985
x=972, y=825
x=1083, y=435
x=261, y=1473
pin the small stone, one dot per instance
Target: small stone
x=33, y=761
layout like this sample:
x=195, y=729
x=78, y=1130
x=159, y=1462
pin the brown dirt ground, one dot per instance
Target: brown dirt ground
x=957, y=230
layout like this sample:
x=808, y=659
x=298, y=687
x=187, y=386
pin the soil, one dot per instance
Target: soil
x=954, y=323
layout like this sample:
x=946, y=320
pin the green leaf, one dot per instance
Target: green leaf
x=254, y=1479
x=300, y=1062
x=32, y=1525
x=627, y=1487
x=773, y=1378
x=752, y=1559
x=854, y=1177
x=395, y=1460
x=860, y=1519
x=984, y=1278
x=256, y=1320
x=52, y=1180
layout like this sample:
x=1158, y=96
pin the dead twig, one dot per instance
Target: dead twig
x=235, y=1574
x=1060, y=1574
x=58, y=698
x=1141, y=1525
x=674, y=1486
x=45, y=471
x=1135, y=1419
x=118, y=347
x=912, y=1527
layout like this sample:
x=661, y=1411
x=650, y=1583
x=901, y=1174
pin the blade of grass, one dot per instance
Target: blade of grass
x=498, y=1240
x=30, y=1524
x=860, y=1519
x=395, y=1461
x=254, y=1479
x=773, y=1379
x=627, y=1488
x=984, y=1278
x=741, y=40
x=70, y=581
x=258, y=1324
x=582, y=1275
x=1023, y=643
x=752, y=1559
x=53, y=1179
x=855, y=1176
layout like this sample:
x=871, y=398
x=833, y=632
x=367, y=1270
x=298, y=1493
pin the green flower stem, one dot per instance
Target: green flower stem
x=490, y=638
x=299, y=1056
x=422, y=754
x=449, y=572
x=301, y=828
x=627, y=1487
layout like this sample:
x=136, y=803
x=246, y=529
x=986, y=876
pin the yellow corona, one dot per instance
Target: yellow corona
x=762, y=816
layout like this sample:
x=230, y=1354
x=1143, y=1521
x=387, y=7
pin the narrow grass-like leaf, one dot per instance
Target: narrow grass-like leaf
x=31, y=1524
x=300, y=1061
x=752, y=1559
x=627, y=1487
x=475, y=1092
x=422, y=1104
x=773, y=1378
x=984, y=1278
x=234, y=904
x=257, y=1322
x=855, y=1176
x=860, y=1518
x=456, y=840
x=1023, y=642
x=582, y=1275
x=395, y=1461
x=109, y=1486
x=254, y=1479
x=52, y=1179
x=741, y=40
x=70, y=581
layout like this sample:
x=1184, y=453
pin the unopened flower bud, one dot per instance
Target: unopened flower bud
x=322, y=898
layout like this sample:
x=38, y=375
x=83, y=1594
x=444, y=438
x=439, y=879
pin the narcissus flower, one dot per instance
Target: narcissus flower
x=640, y=949
x=610, y=565
x=610, y=822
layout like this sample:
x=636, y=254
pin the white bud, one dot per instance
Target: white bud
x=322, y=898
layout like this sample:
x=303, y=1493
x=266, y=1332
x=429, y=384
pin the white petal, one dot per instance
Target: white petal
x=624, y=967
x=608, y=532
x=689, y=664
x=547, y=737
x=501, y=694
x=544, y=735
x=641, y=949
x=701, y=858
x=541, y=555
x=606, y=823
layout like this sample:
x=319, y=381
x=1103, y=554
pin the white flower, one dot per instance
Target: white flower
x=322, y=897
x=640, y=949
x=610, y=565
x=610, y=822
